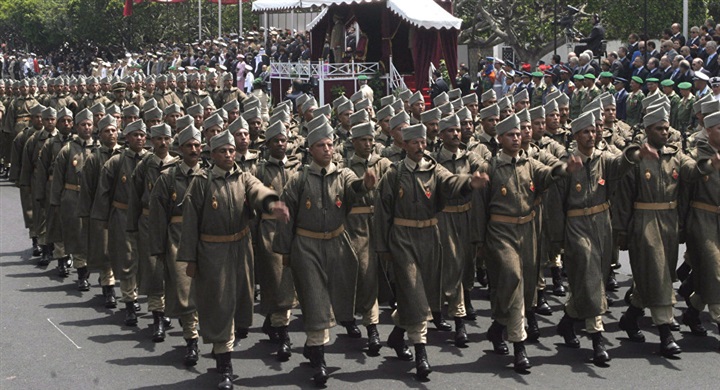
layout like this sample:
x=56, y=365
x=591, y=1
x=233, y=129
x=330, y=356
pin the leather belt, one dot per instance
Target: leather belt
x=415, y=223
x=146, y=212
x=458, y=209
x=363, y=210
x=72, y=187
x=118, y=205
x=513, y=220
x=229, y=238
x=705, y=207
x=267, y=216
x=320, y=235
x=588, y=210
x=22, y=119
x=655, y=206
x=176, y=219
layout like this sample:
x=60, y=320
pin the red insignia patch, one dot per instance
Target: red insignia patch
x=428, y=193
x=601, y=181
x=675, y=174
x=338, y=202
x=532, y=186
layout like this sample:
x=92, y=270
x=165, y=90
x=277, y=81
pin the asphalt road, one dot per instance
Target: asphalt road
x=56, y=337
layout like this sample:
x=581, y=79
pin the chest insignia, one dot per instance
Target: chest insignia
x=648, y=175
x=532, y=186
x=601, y=181
x=123, y=179
x=214, y=203
x=173, y=196
x=308, y=204
x=675, y=174
x=401, y=193
x=503, y=191
x=578, y=187
x=428, y=194
x=75, y=162
x=338, y=202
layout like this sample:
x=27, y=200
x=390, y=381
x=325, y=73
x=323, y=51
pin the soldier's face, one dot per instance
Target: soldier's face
x=552, y=121
x=135, y=140
x=433, y=127
x=161, y=85
x=714, y=136
x=467, y=129
x=322, y=152
x=385, y=125
x=227, y=83
x=489, y=102
x=657, y=134
x=652, y=87
x=108, y=136
x=344, y=118
x=224, y=157
x=65, y=124
x=417, y=108
x=526, y=132
x=538, y=128
x=242, y=140
x=49, y=123
x=506, y=112
x=232, y=115
x=23, y=90
x=363, y=145
x=277, y=146
x=211, y=132
x=521, y=105
x=473, y=107
x=415, y=148
x=451, y=136
x=181, y=85
x=97, y=117
x=254, y=126
x=37, y=121
x=610, y=113
x=585, y=139
x=84, y=129
x=152, y=122
x=489, y=123
x=511, y=142
x=191, y=152
x=161, y=145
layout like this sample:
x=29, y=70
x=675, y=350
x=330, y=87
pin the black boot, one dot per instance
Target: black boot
x=629, y=323
x=533, y=330
x=439, y=322
x=482, y=277
x=317, y=361
x=495, y=335
x=109, y=294
x=422, y=366
x=130, y=315
x=674, y=325
x=158, y=335
x=351, y=328
x=191, y=352
x=558, y=288
x=691, y=318
x=62, y=268
x=137, y=307
x=566, y=329
x=82, y=283
x=396, y=341
x=36, y=249
x=542, y=307
x=284, y=349
x=373, y=340
x=269, y=330
x=668, y=347
x=224, y=367
x=522, y=363
x=683, y=271
x=470, y=314
x=241, y=333
x=628, y=295
x=46, y=256
x=461, y=337
x=600, y=355
x=611, y=284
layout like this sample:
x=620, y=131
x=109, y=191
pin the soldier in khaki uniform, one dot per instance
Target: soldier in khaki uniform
x=164, y=225
x=505, y=232
x=229, y=92
x=151, y=270
x=316, y=246
x=111, y=206
x=96, y=234
x=65, y=193
x=94, y=95
x=16, y=118
x=410, y=195
x=217, y=247
x=165, y=96
x=397, y=123
x=195, y=95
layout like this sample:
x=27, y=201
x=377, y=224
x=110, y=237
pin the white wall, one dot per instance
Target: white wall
x=286, y=20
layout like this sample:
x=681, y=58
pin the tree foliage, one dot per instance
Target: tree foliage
x=46, y=24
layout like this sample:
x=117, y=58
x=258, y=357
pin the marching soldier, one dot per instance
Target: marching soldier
x=16, y=117
x=397, y=123
x=165, y=97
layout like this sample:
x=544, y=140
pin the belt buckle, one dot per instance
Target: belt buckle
x=586, y=211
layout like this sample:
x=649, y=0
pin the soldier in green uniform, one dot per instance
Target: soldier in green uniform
x=591, y=90
x=578, y=96
x=16, y=118
x=94, y=95
x=634, y=102
x=397, y=123
x=215, y=230
x=684, y=117
x=229, y=92
x=195, y=95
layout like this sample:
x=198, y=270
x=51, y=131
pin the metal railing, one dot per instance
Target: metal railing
x=347, y=71
x=396, y=80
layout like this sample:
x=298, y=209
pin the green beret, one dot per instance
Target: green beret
x=667, y=83
x=589, y=76
x=637, y=79
x=685, y=85
x=578, y=77
x=606, y=74
x=652, y=80
x=536, y=74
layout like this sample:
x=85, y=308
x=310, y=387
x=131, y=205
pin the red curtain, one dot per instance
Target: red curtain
x=448, y=40
x=228, y=2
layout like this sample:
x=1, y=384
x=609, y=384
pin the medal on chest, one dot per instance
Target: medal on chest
x=401, y=193
x=214, y=203
x=428, y=194
x=75, y=162
x=578, y=187
x=648, y=175
x=706, y=178
x=601, y=181
x=123, y=178
x=338, y=202
x=149, y=186
x=532, y=186
x=503, y=191
x=173, y=196
x=308, y=204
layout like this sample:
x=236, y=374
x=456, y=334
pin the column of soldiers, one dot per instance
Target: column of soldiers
x=189, y=196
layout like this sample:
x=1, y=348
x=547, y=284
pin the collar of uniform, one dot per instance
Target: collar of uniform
x=184, y=168
x=130, y=153
x=45, y=134
x=412, y=165
x=86, y=143
x=277, y=162
x=507, y=159
x=585, y=157
x=445, y=154
x=355, y=159
x=532, y=151
x=315, y=168
x=483, y=136
x=219, y=172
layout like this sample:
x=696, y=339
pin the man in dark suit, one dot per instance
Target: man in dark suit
x=676, y=34
x=639, y=68
x=149, y=65
x=652, y=67
x=439, y=86
x=711, y=64
x=463, y=81
x=594, y=40
x=620, y=98
x=666, y=69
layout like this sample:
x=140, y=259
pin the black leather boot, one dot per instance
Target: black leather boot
x=46, y=256
x=600, y=355
x=158, y=335
x=137, y=307
x=82, y=283
x=558, y=288
x=533, y=330
x=691, y=318
x=62, y=268
x=36, y=249
x=629, y=323
x=542, y=307
x=130, y=315
x=269, y=330
x=522, y=363
x=668, y=347
x=109, y=294
x=422, y=366
x=439, y=322
x=566, y=329
x=470, y=314
x=284, y=348
x=461, y=337
x=495, y=335
x=611, y=284
x=224, y=367
x=396, y=341
x=674, y=325
x=482, y=278
x=351, y=328
x=373, y=340
x=317, y=361
x=191, y=352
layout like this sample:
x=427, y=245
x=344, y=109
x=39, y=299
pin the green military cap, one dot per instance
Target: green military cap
x=161, y=130
x=606, y=74
x=582, y=122
x=667, y=83
x=589, y=76
x=188, y=133
x=464, y=114
x=578, y=77
x=359, y=117
x=362, y=130
x=685, y=85
x=449, y=122
x=362, y=77
x=508, y=124
x=222, y=139
x=238, y=124
x=430, y=115
x=524, y=115
x=659, y=115
x=637, y=79
x=652, y=80
x=536, y=74
x=323, y=110
x=385, y=112
x=441, y=99
x=275, y=129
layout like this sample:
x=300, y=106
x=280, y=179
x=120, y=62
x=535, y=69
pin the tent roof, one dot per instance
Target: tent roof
x=419, y=13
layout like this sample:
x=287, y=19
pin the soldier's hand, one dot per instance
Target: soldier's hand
x=280, y=211
x=479, y=180
x=647, y=151
x=191, y=270
x=715, y=161
x=574, y=164
x=369, y=179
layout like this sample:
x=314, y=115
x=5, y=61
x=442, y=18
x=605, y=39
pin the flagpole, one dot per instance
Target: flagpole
x=199, y=20
x=219, y=18
x=240, y=18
